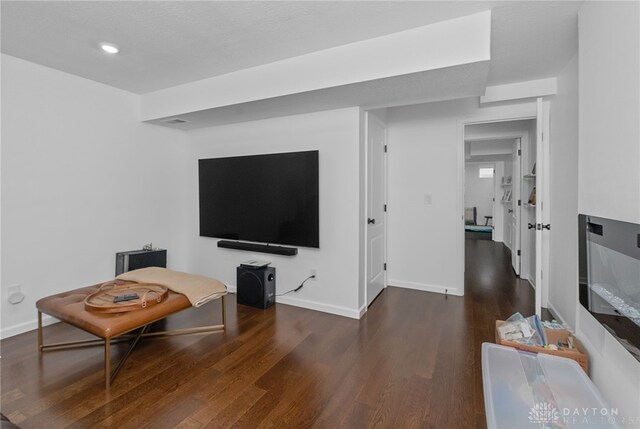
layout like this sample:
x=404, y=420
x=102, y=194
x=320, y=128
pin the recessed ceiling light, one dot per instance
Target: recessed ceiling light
x=110, y=48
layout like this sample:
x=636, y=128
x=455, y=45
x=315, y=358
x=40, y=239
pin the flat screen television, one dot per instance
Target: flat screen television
x=270, y=198
x=609, y=276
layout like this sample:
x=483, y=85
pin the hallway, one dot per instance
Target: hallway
x=489, y=278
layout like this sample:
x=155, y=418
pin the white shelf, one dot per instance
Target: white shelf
x=533, y=206
x=529, y=176
x=505, y=201
x=506, y=181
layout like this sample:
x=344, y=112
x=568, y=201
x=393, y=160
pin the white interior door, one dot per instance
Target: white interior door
x=514, y=209
x=543, y=228
x=376, y=189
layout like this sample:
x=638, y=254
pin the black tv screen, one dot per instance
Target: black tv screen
x=263, y=198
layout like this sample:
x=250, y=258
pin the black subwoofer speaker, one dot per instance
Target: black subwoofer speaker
x=256, y=287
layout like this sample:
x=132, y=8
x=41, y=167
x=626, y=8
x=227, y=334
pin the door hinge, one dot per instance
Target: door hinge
x=385, y=266
x=519, y=152
x=518, y=253
x=519, y=202
x=385, y=207
x=385, y=148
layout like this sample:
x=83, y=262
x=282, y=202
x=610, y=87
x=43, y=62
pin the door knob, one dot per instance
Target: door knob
x=547, y=226
x=510, y=210
x=531, y=226
x=369, y=220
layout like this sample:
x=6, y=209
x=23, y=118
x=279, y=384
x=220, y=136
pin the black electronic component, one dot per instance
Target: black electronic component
x=126, y=297
x=136, y=259
x=256, y=287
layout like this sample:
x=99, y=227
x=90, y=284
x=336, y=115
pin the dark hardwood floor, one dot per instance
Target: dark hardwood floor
x=412, y=361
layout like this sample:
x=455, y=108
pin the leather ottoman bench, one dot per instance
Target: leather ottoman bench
x=69, y=307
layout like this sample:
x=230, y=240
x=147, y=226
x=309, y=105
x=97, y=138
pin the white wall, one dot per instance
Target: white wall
x=336, y=134
x=422, y=162
x=609, y=155
x=425, y=249
x=82, y=178
x=609, y=110
x=478, y=192
x=563, y=171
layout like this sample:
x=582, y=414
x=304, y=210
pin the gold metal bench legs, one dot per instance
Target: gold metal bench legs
x=128, y=336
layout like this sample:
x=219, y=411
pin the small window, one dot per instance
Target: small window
x=486, y=173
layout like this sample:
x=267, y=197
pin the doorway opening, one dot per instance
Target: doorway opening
x=500, y=207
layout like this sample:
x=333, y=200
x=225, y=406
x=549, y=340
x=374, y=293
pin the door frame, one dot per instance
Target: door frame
x=543, y=209
x=505, y=114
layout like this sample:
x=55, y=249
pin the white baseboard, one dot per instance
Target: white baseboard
x=325, y=308
x=21, y=328
x=425, y=287
x=313, y=305
x=558, y=315
x=531, y=282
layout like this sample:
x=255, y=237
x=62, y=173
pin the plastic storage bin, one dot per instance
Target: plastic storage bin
x=529, y=390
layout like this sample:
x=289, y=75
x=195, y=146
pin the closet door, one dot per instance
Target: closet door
x=376, y=215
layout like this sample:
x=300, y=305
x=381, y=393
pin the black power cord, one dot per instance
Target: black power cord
x=299, y=287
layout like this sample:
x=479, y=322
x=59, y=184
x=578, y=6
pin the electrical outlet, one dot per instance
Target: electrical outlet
x=15, y=296
x=313, y=272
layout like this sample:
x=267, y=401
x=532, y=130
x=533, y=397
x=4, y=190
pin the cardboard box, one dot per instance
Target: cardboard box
x=554, y=336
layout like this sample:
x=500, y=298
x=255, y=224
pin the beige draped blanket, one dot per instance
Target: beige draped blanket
x=198, y=289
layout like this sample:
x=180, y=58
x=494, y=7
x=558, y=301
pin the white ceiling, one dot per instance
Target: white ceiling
x=164, y=44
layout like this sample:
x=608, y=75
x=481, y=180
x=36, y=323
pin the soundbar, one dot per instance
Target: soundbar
x=262, y=248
